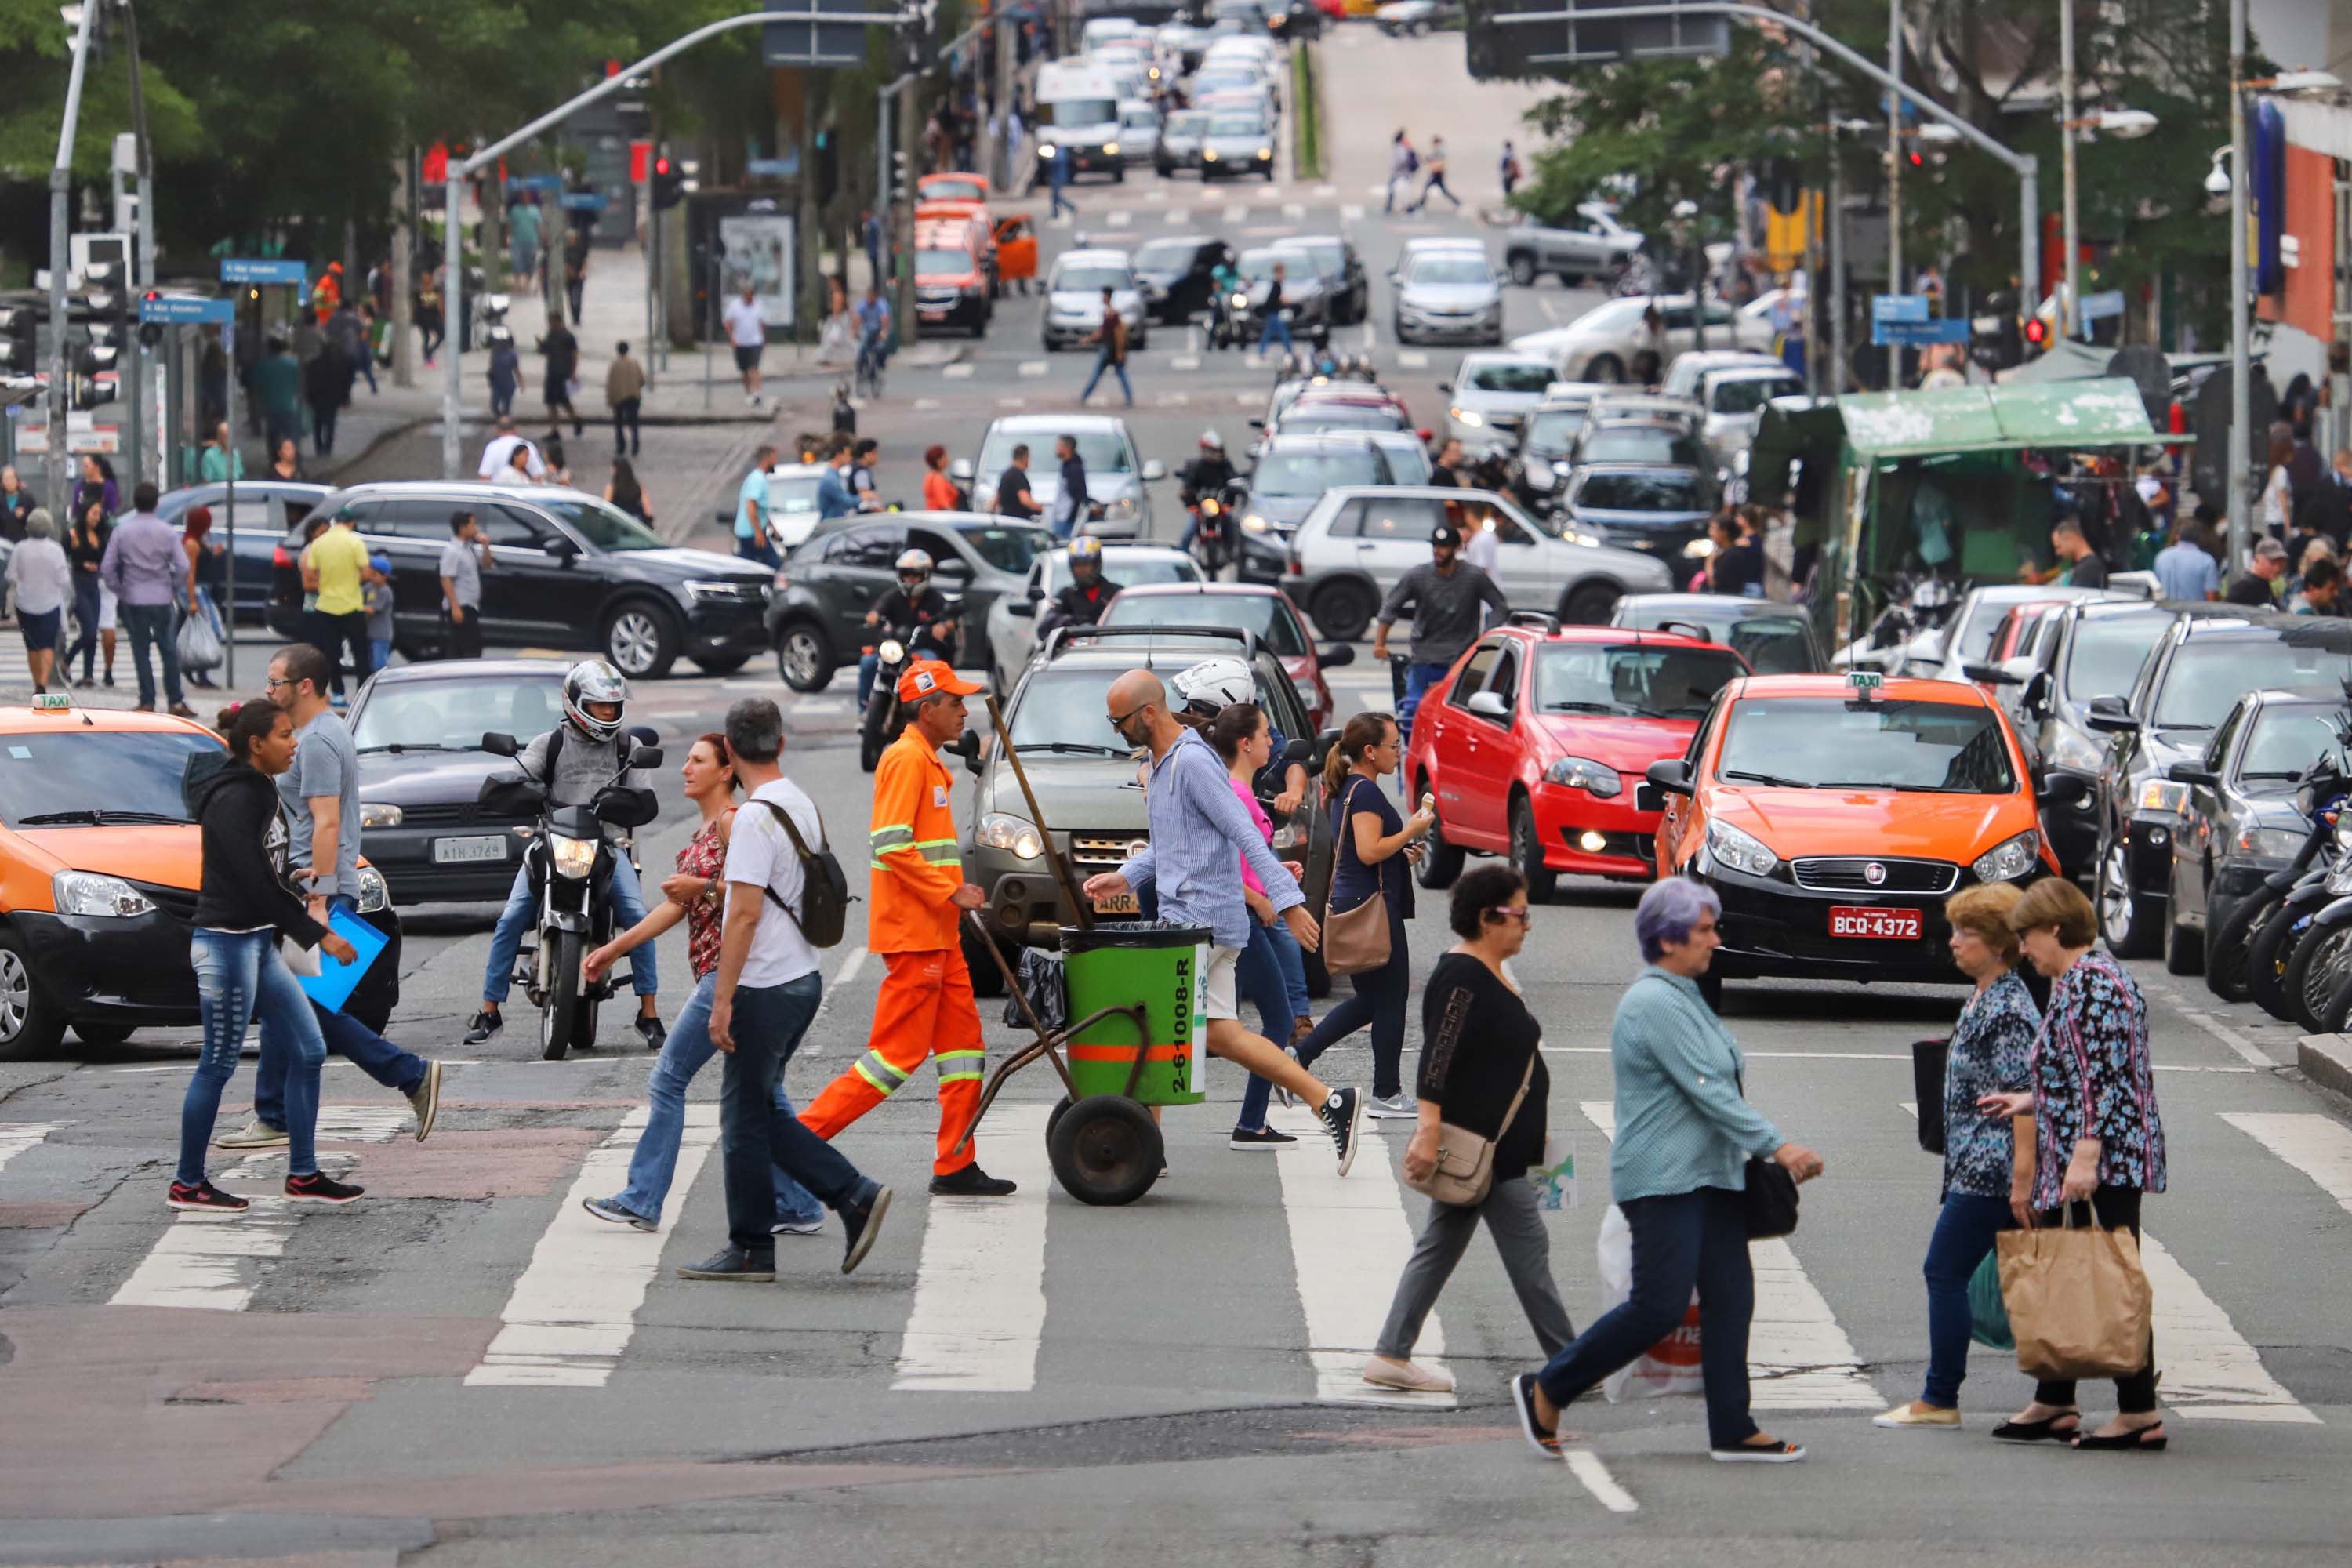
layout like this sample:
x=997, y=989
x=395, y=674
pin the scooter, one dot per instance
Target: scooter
x=893, y=654
x=570, y=862
x=2228, y=959
x=1214, y=518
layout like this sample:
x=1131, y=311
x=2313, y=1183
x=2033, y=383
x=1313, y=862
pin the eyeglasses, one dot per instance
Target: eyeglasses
x=1526, y=918
x=1118, y=721
x=274, y=682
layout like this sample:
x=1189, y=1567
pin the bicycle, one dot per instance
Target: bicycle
x=870, y=362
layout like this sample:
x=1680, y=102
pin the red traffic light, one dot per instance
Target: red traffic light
x=661, y=166
x=1917, y=160
x=2037, y=332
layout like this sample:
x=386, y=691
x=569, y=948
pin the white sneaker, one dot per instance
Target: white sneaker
x=1393, y=1107
x=1387, y=1371
x=254, y=1134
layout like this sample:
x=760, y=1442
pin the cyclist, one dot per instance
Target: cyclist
x=580, y=759
x=913, y=603
x=1203, y=478
x=1082, y=601
x=873, y=313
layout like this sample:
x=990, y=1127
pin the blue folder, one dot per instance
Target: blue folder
x=333, y=985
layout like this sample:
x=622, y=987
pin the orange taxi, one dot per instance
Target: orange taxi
x=951, y=283
x=1833, y=814
x=100, y=865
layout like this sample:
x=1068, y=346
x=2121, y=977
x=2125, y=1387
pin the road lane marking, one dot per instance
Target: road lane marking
x=813, y=1043
x=1586, y=1467
x=961, y=371
x=1861, y=1056
x=2314, y=1144
x=1294, y=211
x=1032, y=368
x=1236, y=212
x=1179, y=216
x=1185, y=362
x=1012, y=403
x=923, y=405
x=1798, y=1356
x=1326, y=192
x=2229, y=1036
x=1119, y=219
x=24, y=1135
x=1250, y=399
x=1350, y=1241
x=1412, y=359
x=979, y=1310
x=214, y=1262
x=574, y=1307
x=1544, y=305
x=1351, y=212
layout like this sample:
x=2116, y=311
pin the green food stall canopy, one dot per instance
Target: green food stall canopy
x=2065, y=416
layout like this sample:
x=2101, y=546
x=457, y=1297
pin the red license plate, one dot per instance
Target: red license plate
x=1899, y=924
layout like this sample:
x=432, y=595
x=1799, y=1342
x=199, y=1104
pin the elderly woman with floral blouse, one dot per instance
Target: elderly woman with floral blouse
x=2093, y=1132
x=1987, y=1056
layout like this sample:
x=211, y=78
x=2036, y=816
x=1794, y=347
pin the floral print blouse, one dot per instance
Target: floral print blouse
x=1988, y=1055
x=2093, y=1079
x=704, y=856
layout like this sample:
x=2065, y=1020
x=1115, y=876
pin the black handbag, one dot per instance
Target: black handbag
x=1928, y=1060
x=1769, y=1200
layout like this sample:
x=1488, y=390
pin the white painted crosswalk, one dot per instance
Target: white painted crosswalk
x=23, y=1135
x=977, y=1313
x=2318, y=1146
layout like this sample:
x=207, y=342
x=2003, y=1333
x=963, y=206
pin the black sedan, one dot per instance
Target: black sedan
x=419, y=731
x=267, y=511
x=1175, y=275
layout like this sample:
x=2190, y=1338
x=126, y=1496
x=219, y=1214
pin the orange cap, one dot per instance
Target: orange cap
x=928, y=677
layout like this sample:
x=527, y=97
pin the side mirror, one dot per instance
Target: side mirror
x=1337, y=656
x=1444, y=387
x=1324, y=741
x=2064, y=790
x=1671, y=775
x=1257, y=424
x=2035, y=698
x=2110, y=717
x=1991, y=674
x=1489, y=705
x=2190, y=773
x=561, y=548
x=967, y=746
x=499, y=745
x=961, y=469
x=1154, y=470
x=1024, y=608
x=645, y=757
x=1301, y=750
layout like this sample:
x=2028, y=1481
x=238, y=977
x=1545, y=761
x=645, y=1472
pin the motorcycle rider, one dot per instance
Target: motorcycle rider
x=1088, y=593
x=913, y=603
x=1224, y=282
x=1204, y=478
x=579, y=760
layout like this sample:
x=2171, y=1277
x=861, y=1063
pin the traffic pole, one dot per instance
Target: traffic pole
x=55, y=467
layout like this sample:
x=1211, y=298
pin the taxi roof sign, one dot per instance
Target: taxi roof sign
x=51, y=702
x=1865, y=683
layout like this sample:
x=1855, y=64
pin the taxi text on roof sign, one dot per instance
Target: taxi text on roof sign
x=51, y=702
x=1865, y=682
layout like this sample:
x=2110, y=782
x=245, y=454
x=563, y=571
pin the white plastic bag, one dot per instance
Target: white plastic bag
x=199, y=645
x=1670, y=1366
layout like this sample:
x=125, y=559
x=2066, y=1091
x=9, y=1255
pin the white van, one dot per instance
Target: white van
x=1078, y=114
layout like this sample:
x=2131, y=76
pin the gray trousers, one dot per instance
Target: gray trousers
x=1518, y=1227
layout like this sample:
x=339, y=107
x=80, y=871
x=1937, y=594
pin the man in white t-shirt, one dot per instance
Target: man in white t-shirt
x=766, y=991
x=498, y=457
x=748, y=331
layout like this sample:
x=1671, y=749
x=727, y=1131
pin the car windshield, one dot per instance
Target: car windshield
x=1237, y=125
x=1828, y=742
x=2108, y=651
x=604, y=525
x=454, y=714
x=1640, y=444
x=1408, y=460
x=1067, y=708
x=1509, y=375
x=1009, y=549
x=955, y=190
x=1329, y=259
x=1318, y=417
x=1091, y=277
x=2288, y=739
x=1553, y=430
x=1641, y=492
x=1138, y=119
x=1078, y=111
x=1127, y=571
x=1167, y=256
x=1654, y=682
x=793, y=494
x=1457, y=268
x=1615, y=316
x=1262, y=614
x=1187, y=123
x=1312, y=473
x=78, y=777
x=2207, y=678
x=1750, y=393
x=959, y=261
x=1102, y=451
x=1258, y=265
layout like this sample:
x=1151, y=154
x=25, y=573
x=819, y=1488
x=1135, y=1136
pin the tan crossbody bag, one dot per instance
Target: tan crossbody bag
x=1464, y=1171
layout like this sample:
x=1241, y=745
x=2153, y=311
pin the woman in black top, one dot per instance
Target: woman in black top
x=1375, y=847
x=86, y=552
x=16, y=503
x=1480, y=1045
x=243, y=906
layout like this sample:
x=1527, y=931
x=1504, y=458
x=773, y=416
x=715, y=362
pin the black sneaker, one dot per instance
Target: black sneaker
x=1263, y=1138
x=1343, y=1117
x=651, y=1029
x=972, y=1181
x=860, y=1227
x=1542, y=1439
x=204, y=1197
x=486, y=1023
x=727, y=1263
x=319, y=1188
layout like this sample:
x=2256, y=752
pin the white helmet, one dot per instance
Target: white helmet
x=915, y=561
x=594, y=680
x=1213, y=683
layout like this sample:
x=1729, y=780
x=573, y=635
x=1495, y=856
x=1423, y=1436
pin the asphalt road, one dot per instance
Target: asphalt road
x=1036, y=1382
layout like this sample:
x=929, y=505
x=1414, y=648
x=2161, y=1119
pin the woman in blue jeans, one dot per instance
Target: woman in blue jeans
x=243, y=907
x=1678, y=1167
x=1988, y=1055
x=1245, y=741
x=695, y=894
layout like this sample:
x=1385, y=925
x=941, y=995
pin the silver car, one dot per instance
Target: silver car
x=1238, y=140
x=1074, y=304
x=1179, y=141
x=1734, y=398
x=1357, y=541
x=1603, y=343
x=1595, y=245
x=1448, y=296
x=1115, y=477
x=1138, y=131
x=1011, y=623
x=1491, y=395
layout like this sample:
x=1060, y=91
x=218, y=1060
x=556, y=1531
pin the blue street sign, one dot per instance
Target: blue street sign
x=1942, y=329
x=1898, y=307
x=247, y=269
x=820, y=42
x=2108, y=302
x=180, y=309
x=776, y=168
x=536, y=182
x=585, y=201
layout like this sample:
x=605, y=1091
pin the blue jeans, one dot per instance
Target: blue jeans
x=1258, y=977
x=1104, y=361
x=628, y=909
x=1418, y=679
x=1963, y=1236
x=1680, y=1241
x=1379, y=999
x=1062, y=204
x=149, y=626
x=379, y=652
x=758, y=1138
x=1276, y=327
x=655, y=1161
x=238, y=973
x=1292, y=960
x=347, y=1038
x=758, y=550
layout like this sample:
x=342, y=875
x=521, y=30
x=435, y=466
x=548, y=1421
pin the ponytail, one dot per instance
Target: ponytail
x=1362, y=733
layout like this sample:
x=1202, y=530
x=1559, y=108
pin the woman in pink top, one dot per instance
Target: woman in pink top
x=1244, y=740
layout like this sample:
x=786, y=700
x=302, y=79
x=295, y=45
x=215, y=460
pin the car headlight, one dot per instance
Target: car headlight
x=1740, y=851
x=1265, y=155
x=373, y=814
x=1698, y=549
x=1016, y=836
x=1579, y=536
x=2070, y=748
x=1254, y=523
x=1241, y=301
x=1048, y=149
x=1469, y=417
x=890, y=650
x=783, y=582
x=2268, y=843
x=374, y=893
x=88, y=893
x=1584, y=774
x=2163, y=794
x=574, y=857
x=1121, y=509
x=2009, y=860
x=1208, y=155
x=1111, y=148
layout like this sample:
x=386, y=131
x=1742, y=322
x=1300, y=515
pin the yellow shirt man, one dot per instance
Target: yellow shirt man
x=339, y=556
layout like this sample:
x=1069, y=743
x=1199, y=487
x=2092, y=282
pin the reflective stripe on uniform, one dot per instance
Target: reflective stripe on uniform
x=940, y=851
x=876, y=1068
x=888, y=839
x=955, y=1064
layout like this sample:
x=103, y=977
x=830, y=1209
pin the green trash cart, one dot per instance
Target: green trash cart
x=1137, y=1038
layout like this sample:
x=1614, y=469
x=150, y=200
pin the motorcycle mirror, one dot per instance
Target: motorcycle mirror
x=1302, y=750
x=1153, y=469
x=961, y=469
x=645, y=757
x=1337, y=655
x=499, y=745
x=967, y=746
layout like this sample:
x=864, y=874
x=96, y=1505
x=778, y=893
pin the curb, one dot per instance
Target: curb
x=2327, y=1060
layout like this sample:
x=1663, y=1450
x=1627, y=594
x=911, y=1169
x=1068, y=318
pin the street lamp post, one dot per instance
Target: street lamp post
x=2070, y=310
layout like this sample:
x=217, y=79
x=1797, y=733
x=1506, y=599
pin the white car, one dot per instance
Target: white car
x=1074, y=302
x=1490, y=395
x=1138, y=131
x=1115, y=476
x=1012, y=626
x=1604, y=342
x=1734, y=397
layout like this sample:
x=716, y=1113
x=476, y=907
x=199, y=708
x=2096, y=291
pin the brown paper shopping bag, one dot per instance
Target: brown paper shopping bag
x=2077, y=1298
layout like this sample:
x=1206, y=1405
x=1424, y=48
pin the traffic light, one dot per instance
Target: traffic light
x=669, y=183
x=901, y=182
x=828, y=167
x=1994, y=343
x=19, y=340
x=150, y=333
x=2037, y=333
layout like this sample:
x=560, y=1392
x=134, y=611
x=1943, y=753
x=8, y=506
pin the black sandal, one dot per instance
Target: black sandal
x=2044, y=1430
x=2146, y=1439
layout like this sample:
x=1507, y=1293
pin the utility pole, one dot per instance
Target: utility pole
x=54, y=466
x=151, y=457
x=2240, y=535
x=902, y=216
x=2070, y=308
x=1894, y=178
x=1835, y=218
x=404, y=272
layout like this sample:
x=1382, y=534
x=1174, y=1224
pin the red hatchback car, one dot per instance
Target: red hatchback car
x=1253, y=607
x=1537, y=743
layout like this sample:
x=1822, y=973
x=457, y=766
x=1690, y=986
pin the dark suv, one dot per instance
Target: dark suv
x=1175, y=275
x=2205, y=661
x=573, y=573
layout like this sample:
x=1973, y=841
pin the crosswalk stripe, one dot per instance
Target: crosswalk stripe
x=979, y=1310
x=813, y=1043
x=1586, y=1467
x=214, y=1262
x=1413, y=359
x=1798, y=1356
x=1350, y=1241
x=15, y=1140
x=1236, y=212
x=2314, y=1144
x=1179, y=216
x=961, y=371
x=1351, y=212
x=1294, y=211
x=574, y=1307
x=1119, y=219
x=1031, y=368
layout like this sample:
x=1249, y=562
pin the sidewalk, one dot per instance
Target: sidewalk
x=677, y=393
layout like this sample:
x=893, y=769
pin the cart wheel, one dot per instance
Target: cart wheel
x=1054, y=1117
x=1106, y=1151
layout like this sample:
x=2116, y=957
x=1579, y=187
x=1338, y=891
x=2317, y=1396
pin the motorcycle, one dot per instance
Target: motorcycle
x=894, y=651
x=2229, y=960
x=1215, y=520
x=490, y=316
x=570, y=862
x=1228, y=319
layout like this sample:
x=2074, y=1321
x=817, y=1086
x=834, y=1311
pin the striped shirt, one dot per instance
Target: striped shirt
x=1681, y=1123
